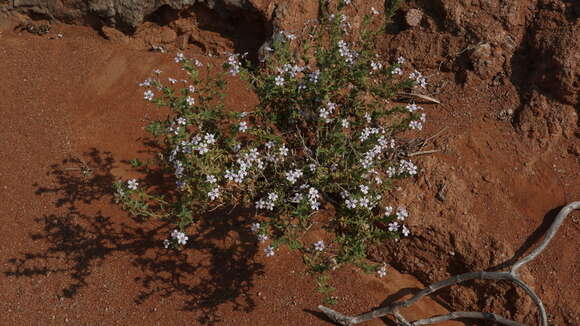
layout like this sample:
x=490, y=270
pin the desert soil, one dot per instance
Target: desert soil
x=72, y=115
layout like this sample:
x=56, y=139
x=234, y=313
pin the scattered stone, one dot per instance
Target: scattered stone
x=113, y=34
x=157, y=48
x=413, y=17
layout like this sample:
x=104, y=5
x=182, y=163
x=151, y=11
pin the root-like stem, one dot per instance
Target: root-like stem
x=512, y=275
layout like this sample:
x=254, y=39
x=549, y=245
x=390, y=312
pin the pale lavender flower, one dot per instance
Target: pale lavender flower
x=181, y=121
x=402, y=213
x=179, y=57
x=269, y=251
x=382, y=272
x=148, y=95
x=364, y=189
x=243, y=126
x=397, y=71
x=214, y=193
x=279, y=80
x=255, y=227
x=132, y=184
x=319, y=245
x=405, y=231
x=416, y=125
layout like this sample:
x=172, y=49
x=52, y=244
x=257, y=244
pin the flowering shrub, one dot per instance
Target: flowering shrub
x=323, y=134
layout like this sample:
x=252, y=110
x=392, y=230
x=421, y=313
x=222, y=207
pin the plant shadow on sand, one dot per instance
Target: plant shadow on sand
x=217, y=267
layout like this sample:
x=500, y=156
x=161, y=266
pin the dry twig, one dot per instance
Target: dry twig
x=512, y=275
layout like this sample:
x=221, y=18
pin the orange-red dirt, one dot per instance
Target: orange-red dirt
x=72, y=115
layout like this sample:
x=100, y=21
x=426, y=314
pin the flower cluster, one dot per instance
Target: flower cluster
x=233, y=64
x=267, y=203
x=418, y=78
x=348, y=54
x=176, y=237
x=400, y=216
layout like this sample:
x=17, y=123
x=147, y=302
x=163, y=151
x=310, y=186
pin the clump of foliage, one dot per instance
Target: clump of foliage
x=323, y=134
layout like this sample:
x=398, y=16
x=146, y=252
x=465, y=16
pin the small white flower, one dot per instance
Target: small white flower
x=148, y=95
x=279, y=81
x=180, y=237
x=211, y=179
x=214, y=193
x=364, y=189
x=374, y=11
x=262, y=237
x=146, y=83
x=405, y=231
x=388, y=210
x=319, y=246
x=191, y=88
x=417, y=125
x=243, y=126
x=284, y=150
x=364, y=202
x=382, y=272
x=418, y=78
x=269, y=251
x=166, y=243
x=270, y=145
x=132, y=184
x=209, y=138
x=345, y=123
x=402, y=213
x=293, y=175
x=312, y=167
x=397, y=71
x=190, y=101
x=172, y=80
x=351, y=203
x=181, y=121
x=376, y=65
x=157, y=71
x=393, y=226
x=255, y=227
x=182, y=240
x=400, y=60
x=179, y=57
x=413, y=107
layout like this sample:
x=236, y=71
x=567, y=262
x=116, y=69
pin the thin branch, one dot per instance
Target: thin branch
x=425, y=97
x=549, y=235
x=424, y=152
x=512, y=275
x=436, y=134
x=466, y=315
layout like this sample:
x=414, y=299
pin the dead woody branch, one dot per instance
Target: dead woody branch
x=512, y=275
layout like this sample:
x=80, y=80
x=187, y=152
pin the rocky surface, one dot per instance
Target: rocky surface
x=507, y=73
